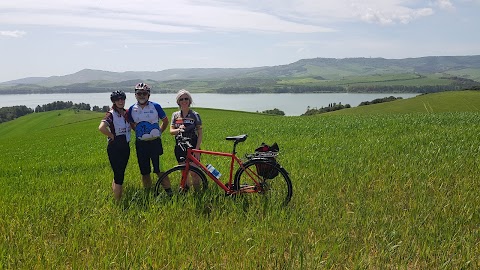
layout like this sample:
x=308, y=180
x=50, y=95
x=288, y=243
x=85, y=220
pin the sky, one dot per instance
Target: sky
x=42, y=38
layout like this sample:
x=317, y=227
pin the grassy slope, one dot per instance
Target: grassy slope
x=33, y=123
x=455, y=101
x=376, y=191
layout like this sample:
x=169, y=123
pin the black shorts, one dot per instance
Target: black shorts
x=149, y=151
x=118, y=154
x=180, y=154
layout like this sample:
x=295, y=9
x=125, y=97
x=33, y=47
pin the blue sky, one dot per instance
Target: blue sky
x=41, y=38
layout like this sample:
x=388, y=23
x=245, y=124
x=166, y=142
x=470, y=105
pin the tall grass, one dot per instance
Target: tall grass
x=370, y=191
x=453, y=101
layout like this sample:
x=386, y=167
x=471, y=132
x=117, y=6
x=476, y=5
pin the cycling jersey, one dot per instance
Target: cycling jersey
x=146, y=119
x=118, y=148
x=118, y=124
x=191, y=121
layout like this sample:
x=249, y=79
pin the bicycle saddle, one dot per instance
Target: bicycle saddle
x=238, y=138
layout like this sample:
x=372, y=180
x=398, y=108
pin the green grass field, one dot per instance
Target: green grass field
x=454, y=101
x=388, y=186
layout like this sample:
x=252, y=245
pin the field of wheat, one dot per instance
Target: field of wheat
x=371, y=191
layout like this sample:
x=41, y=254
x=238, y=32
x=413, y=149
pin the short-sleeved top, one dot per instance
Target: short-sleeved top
x=146, y=119
x=191, y=121
x=117, y=123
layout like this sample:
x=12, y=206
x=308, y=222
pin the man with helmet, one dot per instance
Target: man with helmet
x=145, y=116
x=117, y=129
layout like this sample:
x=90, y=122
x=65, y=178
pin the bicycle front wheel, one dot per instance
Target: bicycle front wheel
x=265, y=178
x=196, y=181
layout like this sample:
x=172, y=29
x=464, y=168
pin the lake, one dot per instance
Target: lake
x=291, y=104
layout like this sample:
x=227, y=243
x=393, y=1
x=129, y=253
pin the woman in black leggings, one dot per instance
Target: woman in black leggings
x=117, y=129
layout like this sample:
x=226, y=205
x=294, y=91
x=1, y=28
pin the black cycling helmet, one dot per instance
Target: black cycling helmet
x=116, y=95
x=142, y=86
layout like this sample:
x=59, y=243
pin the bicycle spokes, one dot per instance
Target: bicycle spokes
x=267, y=179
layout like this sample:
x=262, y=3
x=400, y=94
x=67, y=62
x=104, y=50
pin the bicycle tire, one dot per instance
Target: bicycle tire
x=275, y=187
x=175, y=176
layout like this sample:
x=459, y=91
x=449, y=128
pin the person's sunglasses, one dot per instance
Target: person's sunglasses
x=120, y=98
x=142, y=94
x=182, y=99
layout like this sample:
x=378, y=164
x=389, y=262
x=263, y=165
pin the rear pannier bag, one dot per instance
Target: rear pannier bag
x=268, y=152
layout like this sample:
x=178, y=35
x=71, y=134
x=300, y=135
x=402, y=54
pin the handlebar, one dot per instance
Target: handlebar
x=183, y=142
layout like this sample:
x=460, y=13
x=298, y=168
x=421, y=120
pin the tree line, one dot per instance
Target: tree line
x=330, y=108
x=379, y=100
x=335, y=107
x=250, y=85
x=10, y=113
x=460, y=84
x=61, y=105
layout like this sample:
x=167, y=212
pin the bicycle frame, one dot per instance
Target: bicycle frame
x=190, y=158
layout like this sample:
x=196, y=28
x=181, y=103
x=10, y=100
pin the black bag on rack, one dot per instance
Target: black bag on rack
x=268, y=152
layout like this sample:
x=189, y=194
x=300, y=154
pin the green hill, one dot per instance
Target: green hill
x=453, y=101
x=41, y=122
x=352, y=74
x=372, y=191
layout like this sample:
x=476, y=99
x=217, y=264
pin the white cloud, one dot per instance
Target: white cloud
x=180, y=16
x=14, y=34
x=384, y=17
x=444, y=4
x=190, y=16
x=330, y=12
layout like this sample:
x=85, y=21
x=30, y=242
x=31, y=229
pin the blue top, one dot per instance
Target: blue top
x=146, y=119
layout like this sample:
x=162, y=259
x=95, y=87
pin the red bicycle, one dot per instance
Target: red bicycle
x=259, y=173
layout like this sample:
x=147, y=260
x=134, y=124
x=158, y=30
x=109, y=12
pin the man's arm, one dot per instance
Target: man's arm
x=164, y=124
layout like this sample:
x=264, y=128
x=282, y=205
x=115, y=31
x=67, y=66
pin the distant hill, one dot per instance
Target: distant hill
x=90, y=75
x=306, y=75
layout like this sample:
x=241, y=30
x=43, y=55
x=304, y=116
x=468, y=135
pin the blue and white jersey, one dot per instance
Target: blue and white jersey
x=146, y=119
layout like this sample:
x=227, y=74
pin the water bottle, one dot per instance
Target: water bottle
x=214, y=171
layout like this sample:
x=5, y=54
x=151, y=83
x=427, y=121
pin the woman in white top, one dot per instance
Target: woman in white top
x=117, y=129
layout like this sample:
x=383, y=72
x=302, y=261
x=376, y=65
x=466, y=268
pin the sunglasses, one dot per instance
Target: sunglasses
x=182, y=99
x=142, y=94
x=117, y=99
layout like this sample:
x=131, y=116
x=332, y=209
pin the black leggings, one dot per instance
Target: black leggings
x=181, y=154
x=118, y=153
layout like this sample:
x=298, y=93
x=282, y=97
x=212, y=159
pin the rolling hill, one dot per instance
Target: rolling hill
x=321, y=74
x=454, y=101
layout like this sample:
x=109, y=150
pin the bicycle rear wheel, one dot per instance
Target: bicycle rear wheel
x=197, y=181
x=273, y=183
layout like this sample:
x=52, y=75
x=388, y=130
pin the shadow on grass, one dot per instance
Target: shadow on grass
x=207, y=203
